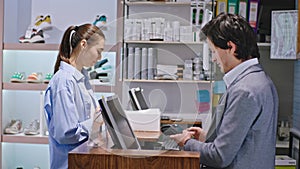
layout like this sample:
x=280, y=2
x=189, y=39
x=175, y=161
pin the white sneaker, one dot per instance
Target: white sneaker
x=14, y=127
x=33, y=128
x=36, y=37
x=43, y=23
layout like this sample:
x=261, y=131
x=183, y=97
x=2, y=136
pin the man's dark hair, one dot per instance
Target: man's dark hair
x=229, y=27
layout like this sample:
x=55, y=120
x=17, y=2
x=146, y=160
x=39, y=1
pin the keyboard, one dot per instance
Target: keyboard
x=170, y=144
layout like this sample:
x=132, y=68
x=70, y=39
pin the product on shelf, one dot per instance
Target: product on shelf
x=17, y=77
x=35, y=37
x=48, y=77
x=14, y=127
x=166, y=72
x=42, y=23
x=33, y=128
x=102, y=70
x=36, y=167
x=101, y=21
x=34, y=78
x=35, y=31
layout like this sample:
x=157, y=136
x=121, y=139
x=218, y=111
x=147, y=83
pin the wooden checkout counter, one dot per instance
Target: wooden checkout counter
x=88, y=157
x=189, y=123
x=100, y=158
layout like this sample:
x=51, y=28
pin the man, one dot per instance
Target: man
x=243, y=130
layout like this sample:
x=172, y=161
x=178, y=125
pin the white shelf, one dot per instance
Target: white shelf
x=157, y=3
x=163, y=42
x=167, y=81
x=180, y=43
x=24, y=86
x=42, y=46
x=22, y=138
x=30, y=46
x=263, y=44
x=43, y=86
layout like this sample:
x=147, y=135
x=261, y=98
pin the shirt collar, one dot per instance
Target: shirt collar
x=230, y=76
x=67, y=67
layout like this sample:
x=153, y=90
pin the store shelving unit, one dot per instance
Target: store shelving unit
x=158, y=3
x=171, y=96
x=167, y=81
x=152, y=87
x=15, y=56
x=163, y=42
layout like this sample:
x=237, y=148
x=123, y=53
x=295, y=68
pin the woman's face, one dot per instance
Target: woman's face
x=92, y=53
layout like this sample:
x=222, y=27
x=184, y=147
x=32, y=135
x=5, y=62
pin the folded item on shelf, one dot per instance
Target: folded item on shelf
x=166, y=69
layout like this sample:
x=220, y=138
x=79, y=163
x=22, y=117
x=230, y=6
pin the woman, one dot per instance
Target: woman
x=70, y=104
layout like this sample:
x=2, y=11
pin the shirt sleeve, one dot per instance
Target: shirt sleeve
x=237, y=119
x=65, y=126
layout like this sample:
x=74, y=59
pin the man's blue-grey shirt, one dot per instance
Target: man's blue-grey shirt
x=245, y=133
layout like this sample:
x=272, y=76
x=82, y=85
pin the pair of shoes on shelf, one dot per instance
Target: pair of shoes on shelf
x=35, y=31
x=37, y=78
x=34, y=77
x=14, y=127
x=18, y=77
x=33, y=128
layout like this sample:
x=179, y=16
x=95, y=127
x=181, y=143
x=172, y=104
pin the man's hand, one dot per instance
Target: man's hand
x=182, y=138
x=199, y=133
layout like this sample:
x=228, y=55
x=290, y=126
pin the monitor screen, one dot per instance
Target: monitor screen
x=137, y=99
x=117, y=123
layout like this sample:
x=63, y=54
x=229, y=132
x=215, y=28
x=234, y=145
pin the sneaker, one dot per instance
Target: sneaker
x=46, y=133
x=48, y=77
x=14, y=127
x=34, y=78
x=100, y=21
x=38, y=19
x=33, y=128
x=17, y=77
x=42, y=23
x=35, y=37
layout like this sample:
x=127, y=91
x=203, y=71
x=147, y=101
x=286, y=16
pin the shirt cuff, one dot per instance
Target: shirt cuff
x=88, y=124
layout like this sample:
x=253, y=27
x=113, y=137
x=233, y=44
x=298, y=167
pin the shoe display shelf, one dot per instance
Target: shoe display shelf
x=24, y=100
x=49, y=51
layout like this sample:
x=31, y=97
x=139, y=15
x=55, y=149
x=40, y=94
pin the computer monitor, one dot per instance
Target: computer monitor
x=117, y=124
x=137, y=99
